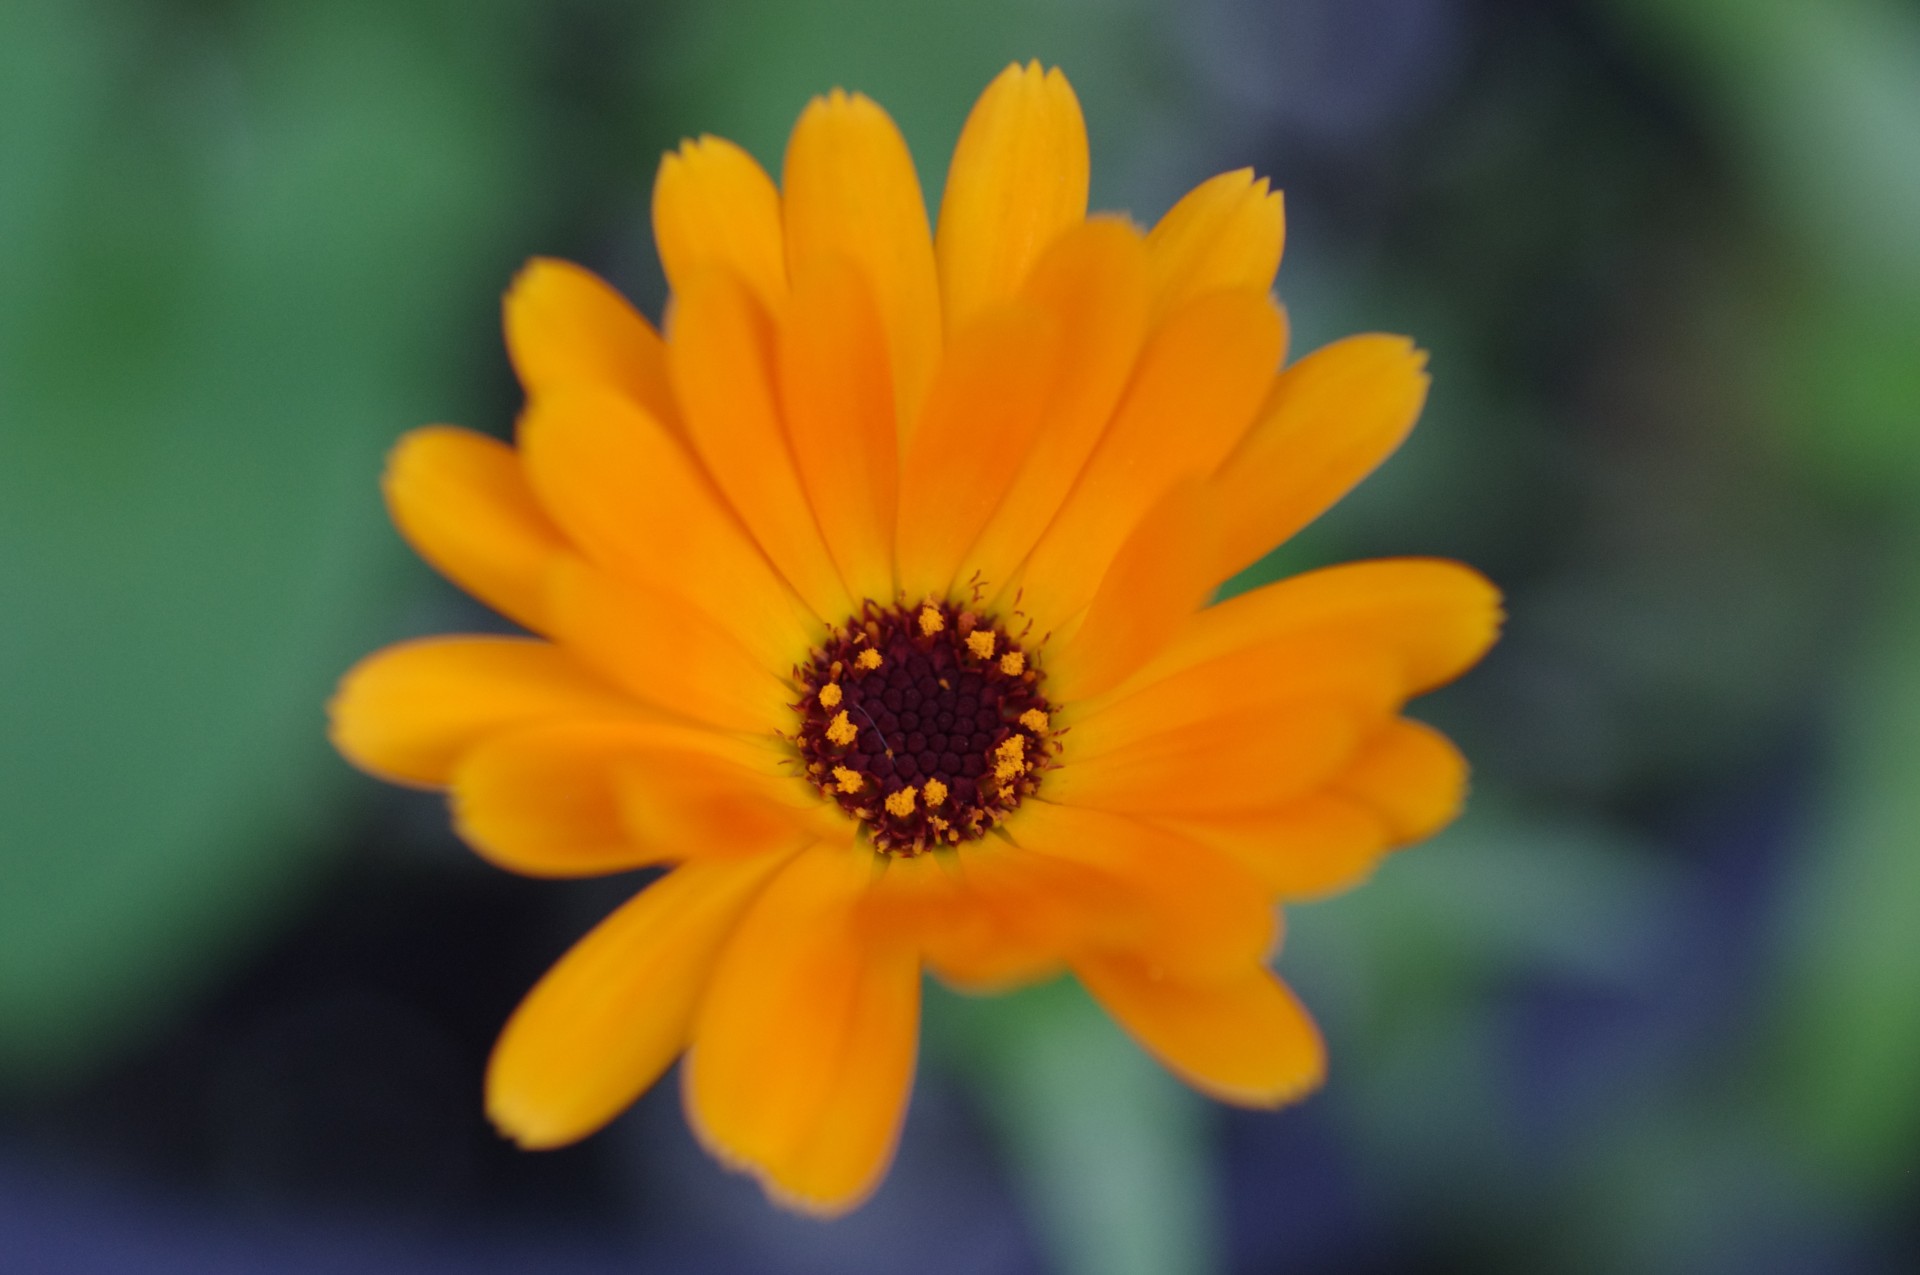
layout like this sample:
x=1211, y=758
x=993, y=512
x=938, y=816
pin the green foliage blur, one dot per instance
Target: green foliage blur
x=1664, y=253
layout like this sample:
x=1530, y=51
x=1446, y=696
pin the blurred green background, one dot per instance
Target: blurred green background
x=1652, y=1006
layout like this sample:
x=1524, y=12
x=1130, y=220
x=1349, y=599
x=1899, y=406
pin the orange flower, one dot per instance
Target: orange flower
x=898, y=539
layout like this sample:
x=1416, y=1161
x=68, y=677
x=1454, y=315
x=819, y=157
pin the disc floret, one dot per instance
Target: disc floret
x=924, y=722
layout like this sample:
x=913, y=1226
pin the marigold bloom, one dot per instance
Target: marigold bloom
x=901, y=537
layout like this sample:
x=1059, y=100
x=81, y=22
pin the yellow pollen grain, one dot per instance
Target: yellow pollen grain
x=1013, y=663
x=841, y=729
x=931, y=621
x=936, y=792
x=848, y=780
x=900, y=804
x=1010, y=759
x=868, y=659
x=1034, y=720
x=830, y=695
x=980, y=642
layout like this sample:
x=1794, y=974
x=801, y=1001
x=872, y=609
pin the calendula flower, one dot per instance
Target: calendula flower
x=871, y=603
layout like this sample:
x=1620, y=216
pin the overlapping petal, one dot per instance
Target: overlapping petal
x=1243, y=1039
x=589, y=797
x=1332, y=418
x=1161, y=575
x=714, y=206
x=1225, y=233
x=1018, y=180
x=616, y=1010
x=836, y=390
x=804, y=1049
x=1432, y=618
x=722, y=359
x=462, y=501
x=409, y=712
x=567, y=328
x=985, y=408
x=849, y=190
x=630, y=495
x=664, y=653
x=1200, y=379
x=1406, y=782
x=1093, y=282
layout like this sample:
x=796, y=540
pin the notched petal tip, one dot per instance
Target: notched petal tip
x=713, y=204
x=1227, y=232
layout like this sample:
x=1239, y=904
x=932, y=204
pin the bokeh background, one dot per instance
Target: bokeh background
x=1652, y=1006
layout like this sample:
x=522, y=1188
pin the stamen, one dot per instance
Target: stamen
x=1033, y=719
x=830, y=695
x=1013, y=663
x=841, y=730
x=980, y=642
x=900, y=804
x=931, y=621
x=935, y=792
x=868, y=659
x=847, y=780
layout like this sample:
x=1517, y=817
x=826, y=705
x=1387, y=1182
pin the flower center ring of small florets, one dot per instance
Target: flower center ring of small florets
x=924, y=723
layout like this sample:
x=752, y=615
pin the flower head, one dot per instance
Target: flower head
x=871, y=600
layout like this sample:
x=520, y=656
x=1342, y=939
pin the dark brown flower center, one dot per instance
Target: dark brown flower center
x=925, y=723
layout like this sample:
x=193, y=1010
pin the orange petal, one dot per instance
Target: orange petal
x=633, y=498
x=1243, y=1040
x=713, y=205
x=743, y=797
x=722, y=358
x=1406, y=783
x=1195, y=391
x=1160, y=577
x=1332, y=419
x=1093, y=281
x=804, y=1049
x=1225, y=233
x=1431, y=617
x=583, y=798
x=984, y=409
x=1251, y=760
x=1018, y=179
x=614, y=1012
x=1194, y=910
x=837, y=394
x=463, y=503
x=409, y=712
x=665, y=653
x=1318, y=845
x=927, y=901
x=567, y=327
x=1257, y=679
x=1412, y=776
x=851, y=191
